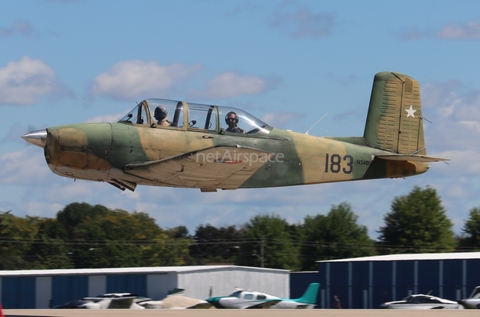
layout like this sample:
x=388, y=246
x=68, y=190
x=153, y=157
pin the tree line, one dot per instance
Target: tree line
x=86, y=236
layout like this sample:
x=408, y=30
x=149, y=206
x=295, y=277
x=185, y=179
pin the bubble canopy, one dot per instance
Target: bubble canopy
x=193, y=116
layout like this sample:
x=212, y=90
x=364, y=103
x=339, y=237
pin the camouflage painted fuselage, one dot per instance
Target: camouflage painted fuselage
x=139, y=152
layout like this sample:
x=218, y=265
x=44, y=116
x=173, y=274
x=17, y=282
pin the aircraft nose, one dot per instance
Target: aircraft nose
x=38, y=138
x=214, y=301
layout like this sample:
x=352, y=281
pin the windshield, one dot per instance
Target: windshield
x=236, y=294
x=136, y=116
x=234, y=120
x=409, y=299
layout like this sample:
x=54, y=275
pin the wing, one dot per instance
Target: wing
x=303, y=306
x=222, y=166
x=122, y=302
x=266, y=304
x=200, y=306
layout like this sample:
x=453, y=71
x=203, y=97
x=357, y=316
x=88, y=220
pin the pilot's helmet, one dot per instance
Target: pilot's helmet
x=160, y=113
x=228, y=116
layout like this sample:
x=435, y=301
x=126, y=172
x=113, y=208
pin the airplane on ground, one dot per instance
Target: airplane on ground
x=421, y=301
x=472, y=302
x=176, y=300
x=107, y=301
x=243, y=299
x=179, y=144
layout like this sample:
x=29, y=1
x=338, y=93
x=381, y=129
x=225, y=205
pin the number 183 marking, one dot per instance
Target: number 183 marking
x=335, y=163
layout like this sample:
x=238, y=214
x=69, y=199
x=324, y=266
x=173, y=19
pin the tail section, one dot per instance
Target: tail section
x=310, y=295
x=395, y=121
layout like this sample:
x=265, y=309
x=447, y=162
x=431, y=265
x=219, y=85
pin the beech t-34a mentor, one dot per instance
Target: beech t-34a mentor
x=180, y=144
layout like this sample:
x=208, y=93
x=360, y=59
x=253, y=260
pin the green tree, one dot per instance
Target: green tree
x=336, y=235
x=16, y=237
x=470, y=238
x=417, y=224
x=101, y=237
x=75, y=213
x=166, y=249
x=49, y=250
x=268, y=240
x=215, y=245
x=85, y=236
x=115, y=238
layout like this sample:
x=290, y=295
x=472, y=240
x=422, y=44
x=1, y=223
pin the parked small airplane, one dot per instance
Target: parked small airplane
x=247, y=299
x=472, y=302
x=421, y=301
x=107, y=301
x=176, y=300
x=179, y=144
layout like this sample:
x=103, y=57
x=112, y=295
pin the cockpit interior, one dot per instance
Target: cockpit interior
x=171, y=114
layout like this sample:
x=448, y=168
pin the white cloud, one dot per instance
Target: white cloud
x=232, y=84
x=453, y=31
x=452, y=118
x=411, y=34
x=440, y=95
x=26, y=166
x=67, y=189
x=19, y=27
x=109, y=117
x=41, y=208
x=472, y=125
x=23, y=82
x=134, y=79
x=305, y=23
x=279, y=119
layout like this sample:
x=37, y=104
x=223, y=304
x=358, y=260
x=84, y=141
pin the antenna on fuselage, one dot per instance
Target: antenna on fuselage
x=329, y=128
x=315, y=123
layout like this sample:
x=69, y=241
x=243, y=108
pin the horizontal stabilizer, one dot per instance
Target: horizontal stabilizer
x=413, y=158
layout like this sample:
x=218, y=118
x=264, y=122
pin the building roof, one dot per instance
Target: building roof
x=412, y=257
x=136, y=270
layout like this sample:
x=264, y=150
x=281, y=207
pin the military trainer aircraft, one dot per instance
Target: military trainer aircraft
x=189, y=145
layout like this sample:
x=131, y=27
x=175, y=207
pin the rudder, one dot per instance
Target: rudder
x=394, y=121
x=310, y=295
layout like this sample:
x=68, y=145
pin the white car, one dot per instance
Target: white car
x=421, y=301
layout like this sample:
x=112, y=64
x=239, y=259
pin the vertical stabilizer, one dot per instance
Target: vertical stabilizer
x=394, y=121
x=310, y=295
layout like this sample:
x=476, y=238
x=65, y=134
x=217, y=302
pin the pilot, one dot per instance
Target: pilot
x=161, y=116
x=232, y=119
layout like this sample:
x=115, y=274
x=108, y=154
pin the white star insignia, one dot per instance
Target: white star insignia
x=410, y=112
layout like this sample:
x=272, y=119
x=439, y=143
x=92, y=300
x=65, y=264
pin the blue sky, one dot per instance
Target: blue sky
x=287, y=62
